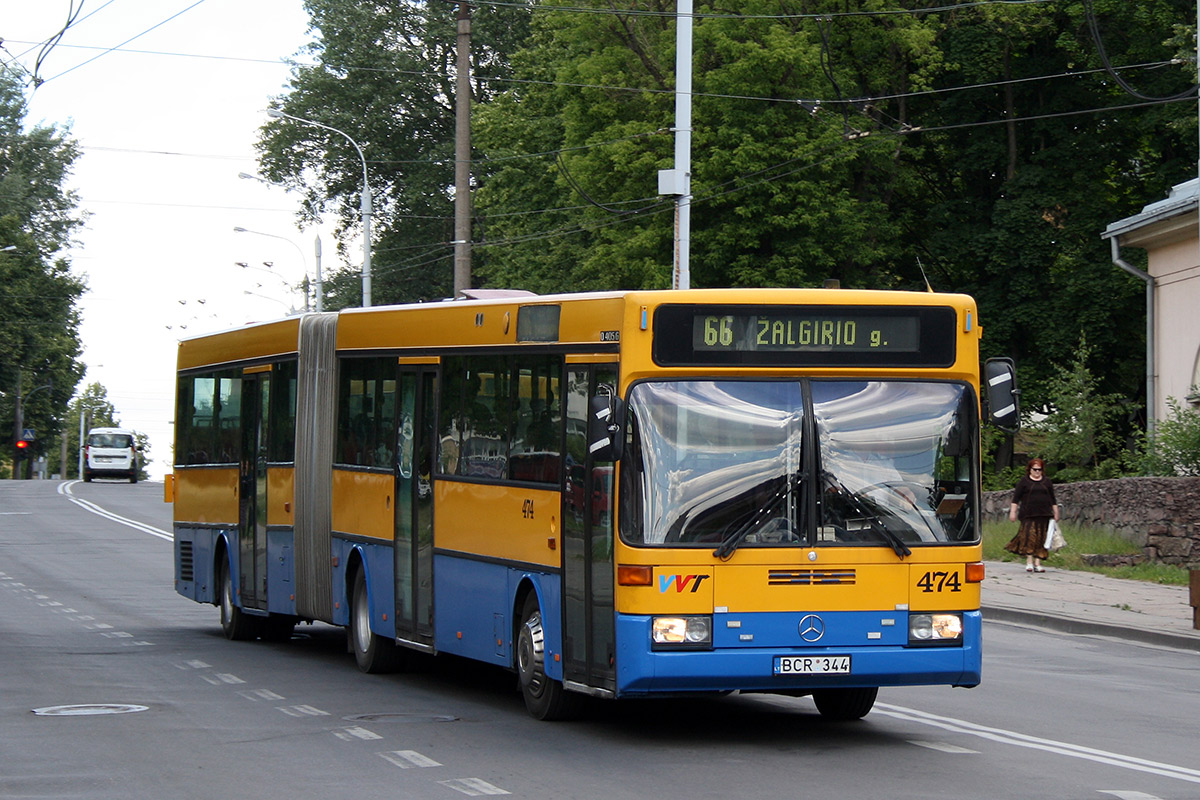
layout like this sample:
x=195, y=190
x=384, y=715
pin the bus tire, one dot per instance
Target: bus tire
x=844, y=705
x=373, y=653
x=545, y=698
x=236, y=625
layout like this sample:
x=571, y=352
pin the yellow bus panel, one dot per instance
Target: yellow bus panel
x=363, y=505
x=509, y=523
x=263, y=340
x=207, y=496
x=280, y=492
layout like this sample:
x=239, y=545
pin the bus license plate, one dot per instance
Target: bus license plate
x=812, y=665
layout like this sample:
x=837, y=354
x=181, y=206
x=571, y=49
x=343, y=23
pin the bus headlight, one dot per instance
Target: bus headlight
x=680, y=633
x=935, y=628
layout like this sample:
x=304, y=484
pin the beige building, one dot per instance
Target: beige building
x=1169, y=231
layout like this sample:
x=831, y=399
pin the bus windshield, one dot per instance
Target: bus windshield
x=737, y=463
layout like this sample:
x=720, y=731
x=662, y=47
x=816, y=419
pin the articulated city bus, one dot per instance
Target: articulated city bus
x=619, y=495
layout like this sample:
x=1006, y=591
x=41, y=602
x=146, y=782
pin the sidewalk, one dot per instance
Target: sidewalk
x=1089, y=603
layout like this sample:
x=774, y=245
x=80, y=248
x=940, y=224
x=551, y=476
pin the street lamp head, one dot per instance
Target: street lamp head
x=246, y=176
x=239, y=229
x=274, y=113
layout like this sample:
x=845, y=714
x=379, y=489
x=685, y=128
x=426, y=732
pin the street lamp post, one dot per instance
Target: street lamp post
x=303, y=263
x=366, y=198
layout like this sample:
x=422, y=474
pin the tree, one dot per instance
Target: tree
x=385, y=77
x=39, y=317
x=1175, y=447
x=1080, y=431
x=986, y=146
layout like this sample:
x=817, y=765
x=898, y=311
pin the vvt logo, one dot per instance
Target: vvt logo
x=680, y=582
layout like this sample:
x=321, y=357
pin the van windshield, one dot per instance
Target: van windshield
x=110, y=440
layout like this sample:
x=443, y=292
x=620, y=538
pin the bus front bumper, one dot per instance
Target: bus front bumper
x=731, y=665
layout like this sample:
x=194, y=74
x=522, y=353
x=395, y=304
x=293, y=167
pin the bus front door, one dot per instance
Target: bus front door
x=252, y=492
x=588, y=496
x=414, y=505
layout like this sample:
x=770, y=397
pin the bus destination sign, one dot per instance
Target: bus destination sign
x=805, y=335
x=801, y=331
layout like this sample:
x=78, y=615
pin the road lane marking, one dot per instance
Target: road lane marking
x=944, y=747
x=1036, y=743
x=302, y=711
x=357, y=732
x=1125, y=795
x=405, y=759
x=65, y=490
x=473, y=787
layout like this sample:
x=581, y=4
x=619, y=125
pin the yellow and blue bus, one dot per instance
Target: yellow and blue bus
x=628, y=494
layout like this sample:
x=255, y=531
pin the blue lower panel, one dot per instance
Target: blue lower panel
x=642, y=671
x=476, y=605
x=195, y=576
x=281, y=571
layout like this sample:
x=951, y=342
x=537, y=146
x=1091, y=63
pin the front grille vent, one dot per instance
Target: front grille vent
x=811, y=577
x=186, y=568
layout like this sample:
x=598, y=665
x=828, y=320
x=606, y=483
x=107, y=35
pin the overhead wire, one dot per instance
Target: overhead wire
x=127, y=41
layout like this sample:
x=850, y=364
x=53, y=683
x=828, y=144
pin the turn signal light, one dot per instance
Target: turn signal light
x=635, y=575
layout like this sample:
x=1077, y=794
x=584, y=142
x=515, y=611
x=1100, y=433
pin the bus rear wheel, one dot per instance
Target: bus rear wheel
x=845, y=704
x=545, y=698
x=373, y=653
x=236, y=625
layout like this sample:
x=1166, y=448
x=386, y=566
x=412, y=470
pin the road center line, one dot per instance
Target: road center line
x=65, y=490
x=1035, y=743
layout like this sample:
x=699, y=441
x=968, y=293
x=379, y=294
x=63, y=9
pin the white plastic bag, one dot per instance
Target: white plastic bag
x=1054, y=538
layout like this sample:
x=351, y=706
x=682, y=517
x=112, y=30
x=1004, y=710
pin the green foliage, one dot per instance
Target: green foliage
x=1175, y=447
x=828, y=142
x=1079, y=432
x=384, y=77
x=39, y=317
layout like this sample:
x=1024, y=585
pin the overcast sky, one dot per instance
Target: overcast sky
x=165, y=122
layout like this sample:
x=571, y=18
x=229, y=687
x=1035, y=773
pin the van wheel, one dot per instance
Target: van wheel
x=133, y=478
x=87, y=477
x=545, y=698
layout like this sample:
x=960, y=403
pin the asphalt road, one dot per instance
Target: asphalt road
x=89, y=618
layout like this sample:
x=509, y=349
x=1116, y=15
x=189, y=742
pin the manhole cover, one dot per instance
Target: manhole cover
x=398, y=716
x=89, y=710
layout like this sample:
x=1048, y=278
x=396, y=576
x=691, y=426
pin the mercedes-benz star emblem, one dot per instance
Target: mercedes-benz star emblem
x=812, y=628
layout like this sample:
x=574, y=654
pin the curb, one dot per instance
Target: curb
x=1086, y=627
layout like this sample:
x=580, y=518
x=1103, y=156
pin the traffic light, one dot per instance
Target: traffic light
x=22, y=449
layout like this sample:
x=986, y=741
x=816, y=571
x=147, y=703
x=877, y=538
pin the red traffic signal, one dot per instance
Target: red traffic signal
x=22, y=448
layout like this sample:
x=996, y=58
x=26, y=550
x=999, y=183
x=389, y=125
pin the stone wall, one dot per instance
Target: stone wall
x=1160, y=515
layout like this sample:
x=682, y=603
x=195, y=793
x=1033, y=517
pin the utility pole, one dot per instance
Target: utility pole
x=462, y=154
x=677, y=182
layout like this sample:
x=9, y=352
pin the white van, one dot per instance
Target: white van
x=110, y=453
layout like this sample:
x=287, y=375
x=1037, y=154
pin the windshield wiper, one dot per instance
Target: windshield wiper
x=897, y=544
x=768, y=510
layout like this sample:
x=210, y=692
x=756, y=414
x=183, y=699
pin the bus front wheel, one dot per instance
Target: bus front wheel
x=545, y=698
x=373, y=653
x=845, y=704
x=236, y=625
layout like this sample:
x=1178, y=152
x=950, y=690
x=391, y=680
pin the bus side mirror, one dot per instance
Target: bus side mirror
x=1000, y=385
x=605, y=437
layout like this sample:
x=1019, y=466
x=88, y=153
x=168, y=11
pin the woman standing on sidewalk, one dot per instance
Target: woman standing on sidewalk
x=1034, y=505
